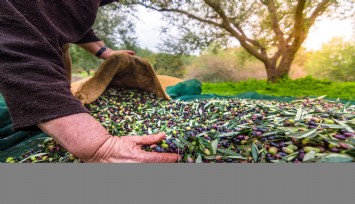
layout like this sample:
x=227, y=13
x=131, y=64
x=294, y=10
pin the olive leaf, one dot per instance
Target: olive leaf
x=34, y=155
x=214, y=144
x=299, y=114
x=347, y=127
x=309, y=134
x=309, y=156
x=228, y=134
x=336, y=158
x=228, y=152
x=254, y=152
x=198, y=159
x=345, y=107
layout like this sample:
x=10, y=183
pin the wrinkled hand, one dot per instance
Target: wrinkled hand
x=110, y=52
x=128, y=149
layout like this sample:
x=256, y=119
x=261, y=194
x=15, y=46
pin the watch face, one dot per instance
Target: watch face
x=105, y=2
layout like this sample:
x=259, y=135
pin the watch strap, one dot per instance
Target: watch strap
x=101, y=50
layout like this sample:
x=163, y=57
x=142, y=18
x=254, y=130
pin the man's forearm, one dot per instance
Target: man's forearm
x=93, y=47
x=80, y=134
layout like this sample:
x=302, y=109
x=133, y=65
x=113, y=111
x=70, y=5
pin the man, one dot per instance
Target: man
x=34, y=84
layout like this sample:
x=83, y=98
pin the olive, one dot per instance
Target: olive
x=348, y=134
x=344, y=145
x=218, y=158
x=207, y=151
x=190, y=159
x=336, y=150
x=339, y=137
x=305, y=141
x=293, y=147
x=282, y=144
x=225, y=143
x=273, y=150
x=271, y=138
x=274, y=144
x=283, y=154
x=158, y=149
x=165, y=146
x=9, y=159
x=312, y=123
x=235, y=140
x=287, y=150
x=229, y=160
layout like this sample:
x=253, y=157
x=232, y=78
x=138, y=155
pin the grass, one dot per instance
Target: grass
x=302, y=87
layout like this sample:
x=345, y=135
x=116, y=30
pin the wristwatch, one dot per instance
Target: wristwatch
x=101, y=50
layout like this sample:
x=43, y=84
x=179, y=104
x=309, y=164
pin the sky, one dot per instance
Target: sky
x=148, y=31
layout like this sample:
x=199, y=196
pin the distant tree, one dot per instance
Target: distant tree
x=82, y=60
x=169, y=64
x=335, y=61
x=115, y=26
x=270, y=30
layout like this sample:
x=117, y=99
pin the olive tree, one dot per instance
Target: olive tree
x=271, y=30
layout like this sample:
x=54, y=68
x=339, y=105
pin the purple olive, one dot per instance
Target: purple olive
x=344, y=145
x=336, y=150
x=225, y=143
x=274, y=144
x=348, y=134
x=339, y=137
x=158, y=149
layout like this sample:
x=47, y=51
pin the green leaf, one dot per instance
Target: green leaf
x=342, y=123
x=309, y=156
x=178, y=144
x=33, y=155
x=214, y=145
x=336, y=158
x=332, y=126
x=236, y=157
x=228, y=134
x=198, y=159
x=228, y=152
x=254, y=152
x=298, y=114
x=345, y=107
x=291, y=156
x=277, y=161
x=309, y=134
x=271, y=133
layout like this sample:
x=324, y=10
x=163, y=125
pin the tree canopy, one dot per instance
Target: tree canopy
x=271, y=30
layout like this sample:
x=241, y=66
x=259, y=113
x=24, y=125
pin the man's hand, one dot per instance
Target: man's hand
x=93, y=47
x=110, y=52
x=129, y=149
x=85, y=138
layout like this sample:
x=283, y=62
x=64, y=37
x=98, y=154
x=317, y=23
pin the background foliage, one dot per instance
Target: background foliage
x=227, y=70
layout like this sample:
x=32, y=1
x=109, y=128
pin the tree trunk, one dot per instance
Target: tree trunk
x=274, y=74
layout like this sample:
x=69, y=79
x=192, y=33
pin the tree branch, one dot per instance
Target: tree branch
x=184, y=13
x=275, y=23
x=216, y=6
x=321, y=7
x=298, y=28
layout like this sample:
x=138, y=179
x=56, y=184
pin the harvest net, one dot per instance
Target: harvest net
x=212, y=130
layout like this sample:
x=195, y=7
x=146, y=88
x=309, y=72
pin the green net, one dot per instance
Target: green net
x=191, y=87
x=15, y=143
